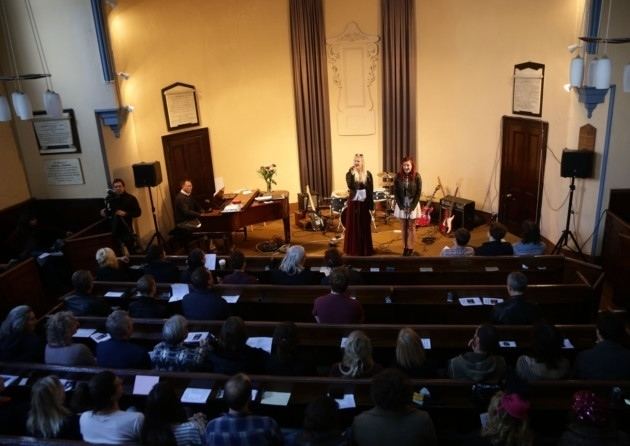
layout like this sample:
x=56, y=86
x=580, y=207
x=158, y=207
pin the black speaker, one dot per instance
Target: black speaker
x=576, y=163
x=147, y=174
x=462, y=209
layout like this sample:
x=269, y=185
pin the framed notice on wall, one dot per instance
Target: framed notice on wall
x=56, y=135
x=64, y=172
x=527, y=98
x=180, y=106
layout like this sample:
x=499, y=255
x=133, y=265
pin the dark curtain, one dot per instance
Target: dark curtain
x=399, y=81
x=308, y=43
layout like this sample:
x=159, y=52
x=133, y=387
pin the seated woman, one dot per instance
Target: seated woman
x=285, y=359
x=411, y=357
x=507, y=422
x=18, y=341
x=60, y=349
x=105, y=422
x=159, y=267
x=171, y=354
x=545, y=361
x=238, y=264
x=147, y=304
x=357, y=361
x=48, y=416
x=109, y=268
x=531, y=243
x=196, y=259
x=292, y=271
x=165, y=420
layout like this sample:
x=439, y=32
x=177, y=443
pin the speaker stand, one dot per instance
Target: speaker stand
x=157, y=237
x=567, y=234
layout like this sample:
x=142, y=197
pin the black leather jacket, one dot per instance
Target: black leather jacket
x=410, y=188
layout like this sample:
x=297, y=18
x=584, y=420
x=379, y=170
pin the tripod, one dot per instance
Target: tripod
x=156, y=235
x=567, y=234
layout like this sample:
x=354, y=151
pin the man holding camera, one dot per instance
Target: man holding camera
x=121, y=208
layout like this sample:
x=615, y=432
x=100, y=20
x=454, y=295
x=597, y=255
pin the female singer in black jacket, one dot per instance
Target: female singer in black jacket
x=358, y=236
x=407, y=188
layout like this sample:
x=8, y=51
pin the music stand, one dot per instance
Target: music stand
x=156, y=235
x=567, y=234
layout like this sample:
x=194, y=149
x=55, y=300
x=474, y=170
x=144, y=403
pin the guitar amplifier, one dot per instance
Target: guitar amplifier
x=462, y=209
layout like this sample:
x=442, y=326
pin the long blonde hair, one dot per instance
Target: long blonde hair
x=360, y=175
x=409, y=350
x=357, y=355
x=47, y=413
x=106, y=257
x=504, y=429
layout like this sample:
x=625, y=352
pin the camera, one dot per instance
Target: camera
x=109, y=198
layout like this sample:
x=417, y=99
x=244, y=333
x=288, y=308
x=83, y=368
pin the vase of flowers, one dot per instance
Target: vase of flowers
x=268, y=172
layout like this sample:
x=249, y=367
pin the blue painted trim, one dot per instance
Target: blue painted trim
x=102, y=39
x=111, y=117
x=594, y=16
x=591, y=97
x=604, y=168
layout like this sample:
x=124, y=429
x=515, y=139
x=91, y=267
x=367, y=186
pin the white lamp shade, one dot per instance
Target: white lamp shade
x=52, y=103
x=576, y=71
x=601, y=77
x=22, y=105
x=591, y=72
x=5, y=111
x=626, y=78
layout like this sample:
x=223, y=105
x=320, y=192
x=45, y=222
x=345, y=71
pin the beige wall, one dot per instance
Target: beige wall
x=13, y=183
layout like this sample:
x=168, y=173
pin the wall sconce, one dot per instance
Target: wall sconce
x=124, y=75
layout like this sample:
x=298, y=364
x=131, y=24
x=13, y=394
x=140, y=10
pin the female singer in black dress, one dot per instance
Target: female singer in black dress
x=407, y=187
x=358, y=237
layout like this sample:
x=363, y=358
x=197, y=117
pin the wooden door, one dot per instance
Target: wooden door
x=187, y=156
x=522, y=171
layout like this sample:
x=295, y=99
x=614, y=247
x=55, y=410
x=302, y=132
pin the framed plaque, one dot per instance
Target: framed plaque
x=180, y=106
x=528, y=89
x=56, y=135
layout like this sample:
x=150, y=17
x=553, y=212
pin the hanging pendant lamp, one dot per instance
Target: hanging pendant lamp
x=601, y=77
x=5, y=111
x=626, y=78
x=576, y=71
x=22, y=105
x=52, y=103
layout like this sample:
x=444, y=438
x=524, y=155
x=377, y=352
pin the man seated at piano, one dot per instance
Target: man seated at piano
x=187, y=210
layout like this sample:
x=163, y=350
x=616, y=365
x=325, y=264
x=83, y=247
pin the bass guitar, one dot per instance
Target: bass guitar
x=447, y=218
x=317, y=223
x=425, y=213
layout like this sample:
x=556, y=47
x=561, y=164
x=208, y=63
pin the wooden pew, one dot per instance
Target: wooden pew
x=419, y=304
x=22, y=285
x=80, y=248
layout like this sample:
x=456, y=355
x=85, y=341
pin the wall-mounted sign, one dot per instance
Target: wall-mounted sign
x=63, y=172
x=56, y=135
x=528, y=89
x=180, y=106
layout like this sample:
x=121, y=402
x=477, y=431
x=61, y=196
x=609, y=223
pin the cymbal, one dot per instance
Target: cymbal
x=386, y=174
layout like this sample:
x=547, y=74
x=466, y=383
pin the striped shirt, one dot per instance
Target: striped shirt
x=190, y=433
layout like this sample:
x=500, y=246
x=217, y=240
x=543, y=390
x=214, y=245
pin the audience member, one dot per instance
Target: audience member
x=105, y=422
x=411, y=357
x=196, y=259
x=286, y=358
x=393, y=420
x=495, y=246
x=591, y=423
x=109, y=267
x=48, y=416
x=516, y=310
x=119, y=352
x=320, y=425
x=82, y=302
x=546, y=360
x=460, y=247
x=161, y=269
x=608, y=359
x=171, y=354
x=480, y=364
x=202, y=303
x=147, y=304
x=333, y=259
x=60, y=350
x=165, y=420
x=232, y=354
x=357, y=361
x=18, y=341
x=238, y=276
x=238, y=425
x=531, y=243
x=338, y=307
x=292, y=271
x=507, y=423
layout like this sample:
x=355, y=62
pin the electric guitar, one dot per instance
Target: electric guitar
x=317, y=222
x=425, y=213
x=447, y=218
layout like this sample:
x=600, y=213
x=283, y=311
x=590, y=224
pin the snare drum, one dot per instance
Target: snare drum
x=380, y=195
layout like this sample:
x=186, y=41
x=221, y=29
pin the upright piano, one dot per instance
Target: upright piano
x=237, y=211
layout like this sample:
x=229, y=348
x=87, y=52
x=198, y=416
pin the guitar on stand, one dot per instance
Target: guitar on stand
x=317, y=222
x=425, y=214
x=447, y=218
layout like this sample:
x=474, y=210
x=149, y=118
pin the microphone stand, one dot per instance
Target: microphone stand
x=407, y=212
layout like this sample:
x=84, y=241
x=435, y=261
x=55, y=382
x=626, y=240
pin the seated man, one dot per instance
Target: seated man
x=187, y=210
x=238, y=276
x=338, y=307
x=480, y=364
x=460, y=248
x=171, y=354
x=239, y=426
x=82, y=302
x=161, y=269
x=201, y=303
x=147, y=305
x=516, y=310
x=609, y=359
x=119, y=352
x=334, y=259
x=495, y=246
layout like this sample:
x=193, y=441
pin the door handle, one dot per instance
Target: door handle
x=508, y=195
